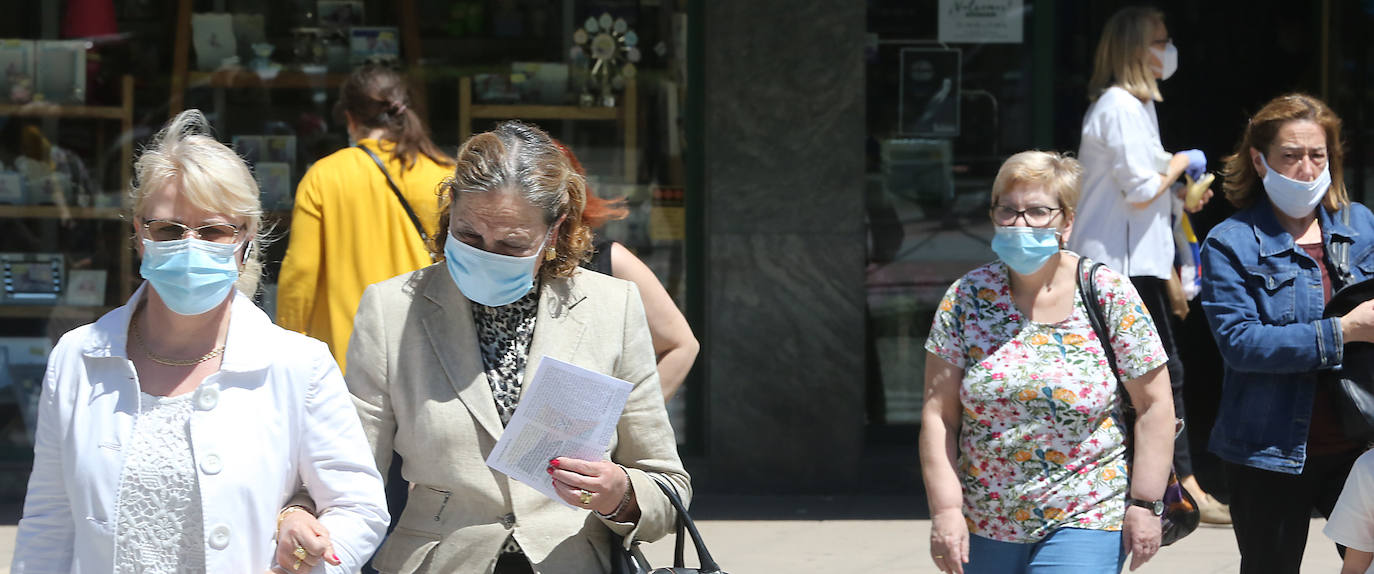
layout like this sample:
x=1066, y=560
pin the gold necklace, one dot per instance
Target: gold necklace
x=138, y=338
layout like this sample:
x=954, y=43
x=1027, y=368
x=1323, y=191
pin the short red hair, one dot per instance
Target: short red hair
x=598, y=211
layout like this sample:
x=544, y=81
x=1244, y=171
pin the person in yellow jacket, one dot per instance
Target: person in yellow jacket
x=349, y=229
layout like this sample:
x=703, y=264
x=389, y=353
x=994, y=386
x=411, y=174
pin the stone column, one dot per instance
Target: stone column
x=784, y=245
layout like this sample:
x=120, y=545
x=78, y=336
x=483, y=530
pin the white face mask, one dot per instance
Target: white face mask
x=1168, y=58
x=1294, y=198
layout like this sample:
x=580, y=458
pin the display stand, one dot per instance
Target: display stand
x=125, y=114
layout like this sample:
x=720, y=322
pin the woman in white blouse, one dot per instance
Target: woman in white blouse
x=171, y=430
x=1125, y=213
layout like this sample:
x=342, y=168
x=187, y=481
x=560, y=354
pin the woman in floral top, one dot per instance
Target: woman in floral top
x=1023, y=457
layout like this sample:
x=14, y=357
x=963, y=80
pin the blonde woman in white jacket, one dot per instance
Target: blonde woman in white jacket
x=171, y=430
x=1129, y=192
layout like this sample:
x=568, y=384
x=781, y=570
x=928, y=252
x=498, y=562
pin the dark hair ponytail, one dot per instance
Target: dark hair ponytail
x=377, y=97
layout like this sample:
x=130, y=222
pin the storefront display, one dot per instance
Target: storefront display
x=73, y=110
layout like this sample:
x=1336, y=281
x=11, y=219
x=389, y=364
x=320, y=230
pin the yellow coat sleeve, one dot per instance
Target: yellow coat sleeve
x=303, y=265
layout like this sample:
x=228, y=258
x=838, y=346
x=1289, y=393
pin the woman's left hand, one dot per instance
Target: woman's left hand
x=601, y=484
x=302, y=542
x=1140, y=534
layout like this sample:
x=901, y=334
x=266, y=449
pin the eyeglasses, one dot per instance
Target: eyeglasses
x=163, y=230
x=1034, y=216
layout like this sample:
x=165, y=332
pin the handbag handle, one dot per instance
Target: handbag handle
x=684, y=521
x=1087, y=289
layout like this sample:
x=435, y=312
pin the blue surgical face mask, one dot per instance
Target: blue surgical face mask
x=1294, y=198
x=488, y=278
x=191, y=275
x=1025, y=249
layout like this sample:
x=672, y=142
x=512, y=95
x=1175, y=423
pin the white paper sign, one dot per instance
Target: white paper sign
x=566, y=411
x=982, y=21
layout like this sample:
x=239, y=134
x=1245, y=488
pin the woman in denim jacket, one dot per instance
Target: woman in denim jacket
x=1268, y=271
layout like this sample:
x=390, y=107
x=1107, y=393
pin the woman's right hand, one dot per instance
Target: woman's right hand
x=1358, y=324
x=949, y=541
x=301, y=529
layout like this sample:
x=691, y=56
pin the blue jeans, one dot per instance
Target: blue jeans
x=1064, y=551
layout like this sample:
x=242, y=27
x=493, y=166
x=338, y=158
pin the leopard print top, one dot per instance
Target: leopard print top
x=504, y=334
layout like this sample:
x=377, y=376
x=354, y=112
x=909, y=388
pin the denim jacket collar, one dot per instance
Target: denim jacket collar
x=1273, y=239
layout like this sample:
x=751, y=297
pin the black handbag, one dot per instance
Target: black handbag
x=1352, y=386
x=632, y=561
x=1181, y=513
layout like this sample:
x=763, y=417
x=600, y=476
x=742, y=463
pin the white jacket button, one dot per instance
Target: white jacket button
x=219, y=537
x=211, y=464
x=207, y=398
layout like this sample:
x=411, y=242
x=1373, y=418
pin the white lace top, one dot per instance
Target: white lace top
x=160, y=527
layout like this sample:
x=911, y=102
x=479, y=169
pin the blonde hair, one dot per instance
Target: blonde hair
x=1058, y=173
x=1121, y=54
x=210, y=176
x=520, y=158
x=1243, y=183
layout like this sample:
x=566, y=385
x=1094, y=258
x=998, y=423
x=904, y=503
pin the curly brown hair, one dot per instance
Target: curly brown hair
x=1243, y=184
x=520, y=158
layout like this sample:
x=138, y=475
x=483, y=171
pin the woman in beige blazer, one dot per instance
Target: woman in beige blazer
x=439, y=356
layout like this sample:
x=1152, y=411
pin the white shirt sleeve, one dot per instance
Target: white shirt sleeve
x=338, y=471
x=47, y=533
x=1352, y=521
x=1135, y=149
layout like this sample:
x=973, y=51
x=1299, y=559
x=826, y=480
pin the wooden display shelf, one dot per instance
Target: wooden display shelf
x=45, y=311
x=55, y=212
x=285, y=79
x=125, y=114
x=50, y=110
x=625, y=113
x=183, y=78
x=111, y=213
x=543, y=112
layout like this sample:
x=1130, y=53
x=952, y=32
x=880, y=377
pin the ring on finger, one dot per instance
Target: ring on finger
x=300, y=555
x=585, y=496
x=297, y=565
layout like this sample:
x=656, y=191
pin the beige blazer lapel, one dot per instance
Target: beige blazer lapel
x=454, y=338
x=558, y=325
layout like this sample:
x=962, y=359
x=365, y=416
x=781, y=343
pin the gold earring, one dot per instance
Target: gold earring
x=550, y=254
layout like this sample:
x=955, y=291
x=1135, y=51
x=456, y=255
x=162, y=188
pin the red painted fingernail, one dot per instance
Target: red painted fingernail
x=553, y=462
x=335, y=557
x=549, y=470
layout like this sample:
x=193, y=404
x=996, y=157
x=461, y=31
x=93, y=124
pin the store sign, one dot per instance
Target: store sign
x=981, y=21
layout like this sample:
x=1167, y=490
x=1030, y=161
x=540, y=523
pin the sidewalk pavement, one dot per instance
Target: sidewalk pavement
x=899, y=546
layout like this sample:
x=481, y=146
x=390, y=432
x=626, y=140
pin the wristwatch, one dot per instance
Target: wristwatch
x=1155, y=507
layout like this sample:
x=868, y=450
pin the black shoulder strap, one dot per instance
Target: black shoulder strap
x=396, y=190
x=1087, y=290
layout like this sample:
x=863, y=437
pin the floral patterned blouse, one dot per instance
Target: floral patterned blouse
x=1039, y=444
